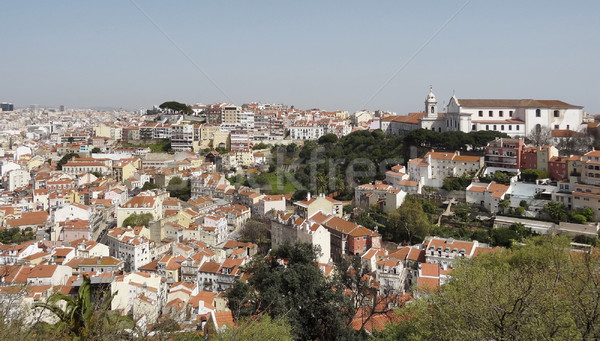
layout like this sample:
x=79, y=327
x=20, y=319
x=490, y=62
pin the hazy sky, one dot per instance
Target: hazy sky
x=328, y=55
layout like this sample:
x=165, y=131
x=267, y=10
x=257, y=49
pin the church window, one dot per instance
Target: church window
x=480, y=113
x=491, y=113
x=495, y=127
x=473, y=127
x=431, y=109
x=556, y=113
x=501, y=113
x=538, y=113
x=510, y=113
x=487, y=127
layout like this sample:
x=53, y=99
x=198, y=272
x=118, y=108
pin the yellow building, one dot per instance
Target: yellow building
x=307, y=208
x=140, y=204
x=123, y=170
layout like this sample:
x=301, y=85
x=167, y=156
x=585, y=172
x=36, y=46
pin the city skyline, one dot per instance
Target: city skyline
x=349, y=57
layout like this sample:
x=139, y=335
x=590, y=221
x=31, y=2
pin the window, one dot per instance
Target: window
x=501, y=113
x=473, y=127
x=517, y=127
x=495, y=127
x=509, y=127
x=556, y=113
x=487, y=127
x=556, y=126
x=491, y=113
x=480, y=113
x=431, y=109
x=502, y=127
x=510, y=113
x=538, y=113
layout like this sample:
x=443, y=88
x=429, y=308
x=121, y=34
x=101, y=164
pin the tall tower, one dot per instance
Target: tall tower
x=431, y=105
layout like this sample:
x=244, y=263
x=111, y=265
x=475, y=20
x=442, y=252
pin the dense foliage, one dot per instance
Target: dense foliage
x=539, y=291
x=451, y=140
x=457, y=184
x=15, y=235
x=178, y=188
x=530, y=175
x=138, y=220
x=65, y=159
x=558, y=212
x=331, y=165
x=315, y=306
x=85, y=317
x=176, y=106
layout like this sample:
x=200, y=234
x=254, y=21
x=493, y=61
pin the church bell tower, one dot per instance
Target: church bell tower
x=431, y=105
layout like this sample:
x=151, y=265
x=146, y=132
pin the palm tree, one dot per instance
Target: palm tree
x=79, y=316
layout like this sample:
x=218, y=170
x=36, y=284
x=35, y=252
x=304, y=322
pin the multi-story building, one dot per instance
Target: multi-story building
x=230, y=114
x=307, y=208
x=504, y=154
x=586, y=193
x=144, y=203
x=130, y=245
x=487, y=195
x=437, y=166
x=303, y=130
x=446, y=251
x=384, y=196
x=293, y=229
x=241, y=139
x=346, y=237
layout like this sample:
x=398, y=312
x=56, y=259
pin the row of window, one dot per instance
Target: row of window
x=500, y=113
x=487, y=127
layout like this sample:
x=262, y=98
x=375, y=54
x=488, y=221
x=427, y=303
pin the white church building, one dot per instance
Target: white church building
x=515, y=117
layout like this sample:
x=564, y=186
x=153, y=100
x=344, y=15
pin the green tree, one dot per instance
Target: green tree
x=539, y=291
x=148, y=186
x=96, y=150
x=328, y=138
x=504, y=204
x=176, y=106
x=408, y=223
x=260, y=146
x=256, y=231
x=585, y=212
x=556, y=211
x=530, y=175
x=81, y=318
x=179, y=188
x=65, y=159
x=315, y=307
x=519, y=211
x=257, y=329
x=138, y=220
x=579, y=219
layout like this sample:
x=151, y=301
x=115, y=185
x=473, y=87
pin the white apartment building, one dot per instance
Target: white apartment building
x=437, y=166
x=145, y=202
x=130, y=246
x=305, y=131
x=18, y=178
x=293, y=229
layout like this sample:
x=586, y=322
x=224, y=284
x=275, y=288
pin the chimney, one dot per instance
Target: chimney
x=308, y=196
